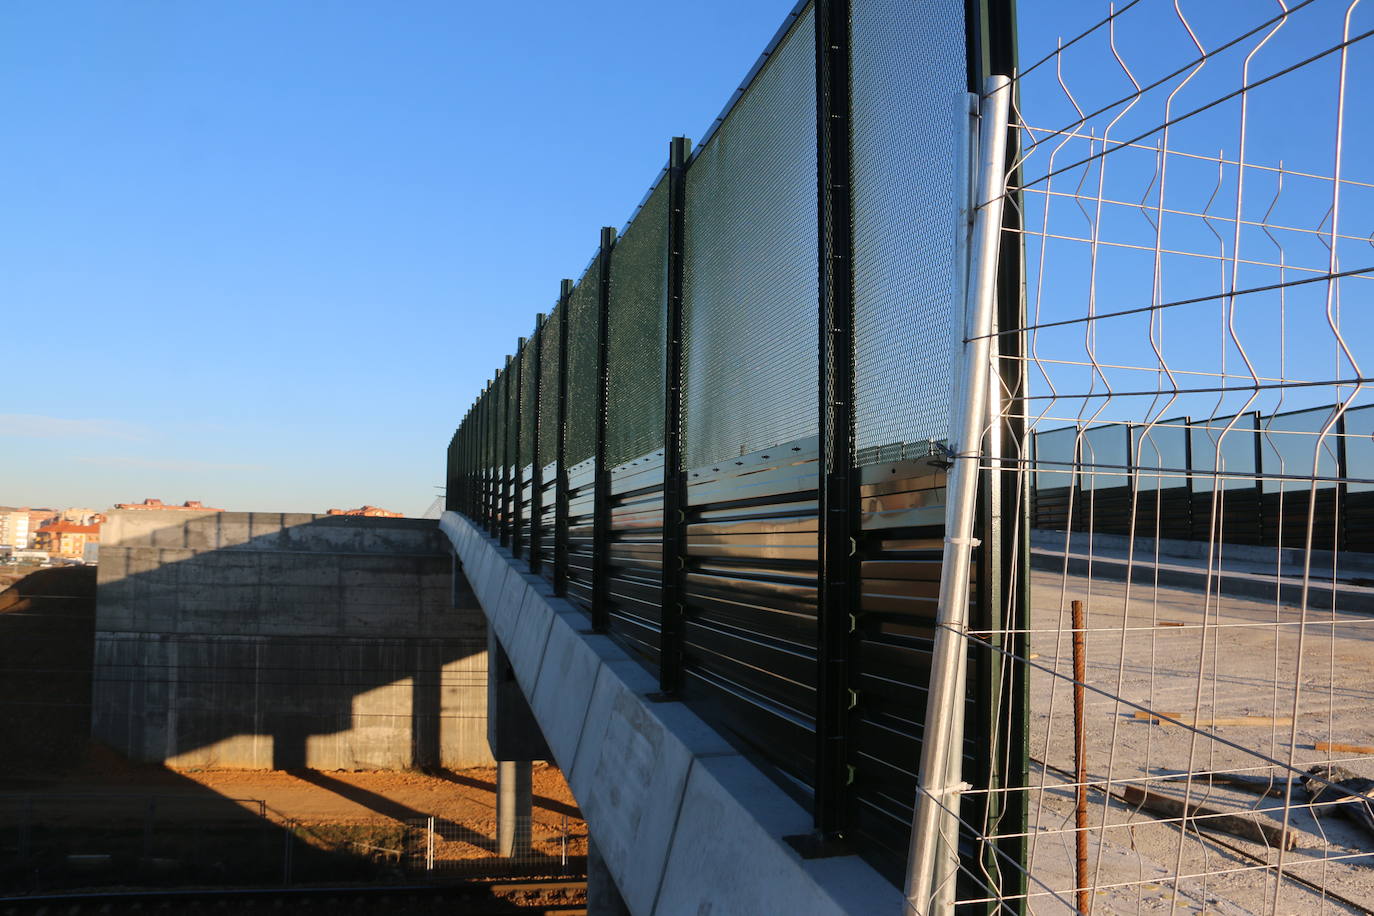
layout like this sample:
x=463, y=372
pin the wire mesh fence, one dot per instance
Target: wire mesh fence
x=1195, y=222
x=436, y=848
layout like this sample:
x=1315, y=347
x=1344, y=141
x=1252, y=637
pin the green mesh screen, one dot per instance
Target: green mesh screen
x=750, y=270
x=580, y=429
x=548, y=389
x=528, y=379
x=635, y=334
x=909, y=132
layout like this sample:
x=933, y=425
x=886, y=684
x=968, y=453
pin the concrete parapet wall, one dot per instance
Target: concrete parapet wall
x=270, y=640
x=684, y=823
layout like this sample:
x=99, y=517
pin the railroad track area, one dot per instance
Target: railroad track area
x=560, y=897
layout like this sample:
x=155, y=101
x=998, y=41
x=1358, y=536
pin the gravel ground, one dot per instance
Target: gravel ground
x=1178, y=652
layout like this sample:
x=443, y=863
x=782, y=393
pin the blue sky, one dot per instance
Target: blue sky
x=264, y=254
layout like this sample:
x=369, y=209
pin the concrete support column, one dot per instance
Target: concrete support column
x=603, y=897
x=514, y=806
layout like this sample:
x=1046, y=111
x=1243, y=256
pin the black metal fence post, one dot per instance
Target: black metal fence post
x=493, y=431
x=516, y=424
x=537, y=474
x=509, y=452
x=601, y=500
x=837, y=591
x=503, y=450
x=560, y=512
x=673, y=611
x=1342, y=486
x=1189, y=474
x=470, y=459
x=487, y=451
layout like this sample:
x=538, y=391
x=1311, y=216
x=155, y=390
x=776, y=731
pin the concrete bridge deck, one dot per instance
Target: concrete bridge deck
x=683, y=822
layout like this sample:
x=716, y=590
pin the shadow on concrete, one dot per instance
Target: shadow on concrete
x=287, y=642
x=74, y=813
x=47, y=627
x=200, y=658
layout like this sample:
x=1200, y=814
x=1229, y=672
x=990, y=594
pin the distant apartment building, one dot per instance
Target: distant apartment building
x=66, y=539
x=191, y=505
x=369, y=511
x=80, y=516
x=14, y=527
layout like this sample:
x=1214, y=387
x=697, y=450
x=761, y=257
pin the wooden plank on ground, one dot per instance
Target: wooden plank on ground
x=1341, y=748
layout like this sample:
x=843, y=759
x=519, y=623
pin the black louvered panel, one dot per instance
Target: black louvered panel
x=750, y=592
x=581, y=478
x=548, y=513
x=635, y=567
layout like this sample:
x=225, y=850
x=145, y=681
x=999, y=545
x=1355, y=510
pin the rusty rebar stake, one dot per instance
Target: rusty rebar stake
x=1080, y=755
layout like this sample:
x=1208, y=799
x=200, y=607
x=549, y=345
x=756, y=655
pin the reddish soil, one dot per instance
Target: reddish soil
x=54, y=778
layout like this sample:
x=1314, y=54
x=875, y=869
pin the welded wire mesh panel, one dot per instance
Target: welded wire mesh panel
x=548, y=390
x=636, y=334
x=1195, y=202
x=580, y=429
x=750, y=270
x=909, y=149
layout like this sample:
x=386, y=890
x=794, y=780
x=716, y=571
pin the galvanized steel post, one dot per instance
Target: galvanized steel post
x=933, y=862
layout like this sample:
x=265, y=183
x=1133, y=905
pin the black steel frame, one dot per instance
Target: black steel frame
x=560, y=519
x=837, y=591
x=672, y=609
x=601, y=525
x=537, y=472
x=841, y=539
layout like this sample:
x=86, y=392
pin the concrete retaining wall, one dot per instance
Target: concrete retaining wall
x=269, y=640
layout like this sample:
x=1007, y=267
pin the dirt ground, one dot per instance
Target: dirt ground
x=63, y=794
x=1178, y=652
x=466, y=796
